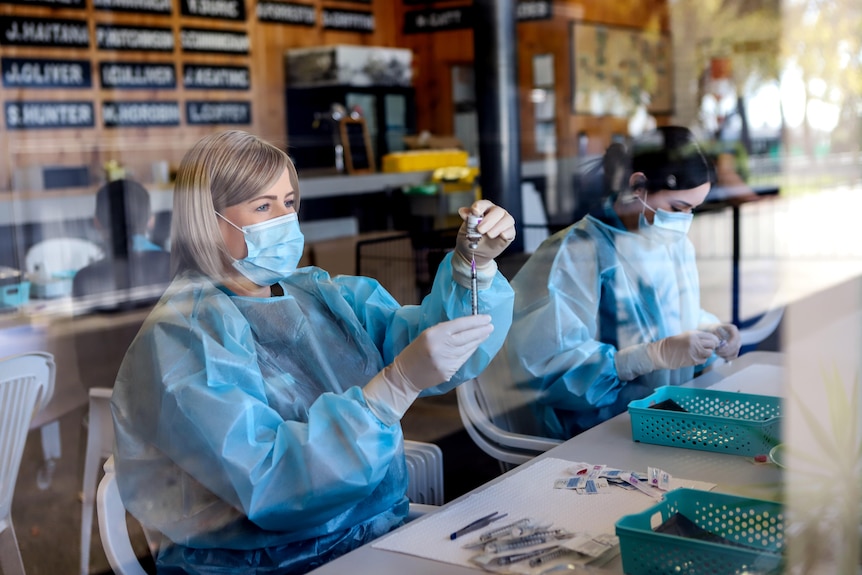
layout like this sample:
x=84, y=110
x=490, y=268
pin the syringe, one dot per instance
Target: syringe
x=474, y=289
x=473, y=237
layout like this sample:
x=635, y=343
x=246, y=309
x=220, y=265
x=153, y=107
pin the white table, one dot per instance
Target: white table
x=610, y=443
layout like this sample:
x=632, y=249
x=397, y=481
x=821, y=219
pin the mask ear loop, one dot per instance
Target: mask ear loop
x=643, y=201
x=230, y=222
x=630, y=194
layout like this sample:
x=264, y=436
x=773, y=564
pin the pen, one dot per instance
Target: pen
x=478, y=524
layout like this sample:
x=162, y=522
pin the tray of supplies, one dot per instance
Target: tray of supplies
x=419, y=160
x=14, y=289
x=709, y=420
x=14, y=296
x=698, y=532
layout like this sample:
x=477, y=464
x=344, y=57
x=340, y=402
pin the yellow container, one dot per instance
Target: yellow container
x=423, y=160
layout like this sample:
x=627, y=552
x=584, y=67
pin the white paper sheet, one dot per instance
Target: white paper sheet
x=754, y=379
x=527, y=493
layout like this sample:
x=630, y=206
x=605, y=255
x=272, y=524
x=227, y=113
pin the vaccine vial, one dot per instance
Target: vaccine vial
x=473, y=236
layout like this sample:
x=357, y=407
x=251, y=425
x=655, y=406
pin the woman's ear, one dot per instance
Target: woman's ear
x=637, y=181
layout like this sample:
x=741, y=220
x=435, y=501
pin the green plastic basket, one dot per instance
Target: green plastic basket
x=720, y=421
x=753, y=523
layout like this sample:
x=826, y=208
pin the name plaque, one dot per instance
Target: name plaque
x=140, y=38
x=286, y=13
x=220, y=9
x=42, y=73
x=218, y=41
x=216, y=77
x=39, y=115
x=47, y=32
x=137, y=75
x=117, y=114
x=53, y=3
x=351, y=20
x=527, y=10
x=433, y=20
x=210, y=113
x=148, y=6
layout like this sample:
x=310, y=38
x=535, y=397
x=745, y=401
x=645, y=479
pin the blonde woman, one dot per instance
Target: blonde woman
x=258, y=410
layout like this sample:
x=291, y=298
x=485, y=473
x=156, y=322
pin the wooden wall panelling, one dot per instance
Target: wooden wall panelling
x=645, y=14
x=134, y=147
x=436, y=56
x=544, y=37
x=636, y=13
x=139, y=146
x=436, y=52
x=26, y=147
x=455, y=48
x=273, y=40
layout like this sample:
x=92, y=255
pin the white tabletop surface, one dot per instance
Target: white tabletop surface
x=610, y=443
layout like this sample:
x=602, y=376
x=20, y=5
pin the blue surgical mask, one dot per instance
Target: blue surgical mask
x=666, y=227
x=274, y=249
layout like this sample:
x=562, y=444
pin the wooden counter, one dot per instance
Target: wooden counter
x=17, y=208
x=88, y=347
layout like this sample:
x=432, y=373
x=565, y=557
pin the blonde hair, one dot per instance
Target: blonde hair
x=219, y=171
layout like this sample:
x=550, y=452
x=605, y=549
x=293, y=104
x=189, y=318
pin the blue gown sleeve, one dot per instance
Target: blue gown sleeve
x=553, y=340
x=192, y=387
x=393, y=327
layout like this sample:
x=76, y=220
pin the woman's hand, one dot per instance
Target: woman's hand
x=497, y=228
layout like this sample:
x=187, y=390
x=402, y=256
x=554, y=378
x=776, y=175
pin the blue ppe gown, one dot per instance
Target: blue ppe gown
x=588, y=291
x=244, y=443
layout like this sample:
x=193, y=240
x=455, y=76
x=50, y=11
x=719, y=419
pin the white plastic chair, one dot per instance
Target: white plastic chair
x=100, y=442
x=51, y=264
x=26, y=387
x=425, y=489
x=61, y=255
x=763, y=327
x=500, y=424
x=113, y=529
x=491, y=416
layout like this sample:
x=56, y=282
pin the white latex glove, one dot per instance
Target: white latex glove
x=430, y=359
x=497, y=228
x=729, y=339
x=683, y=350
